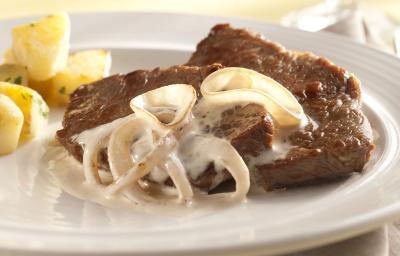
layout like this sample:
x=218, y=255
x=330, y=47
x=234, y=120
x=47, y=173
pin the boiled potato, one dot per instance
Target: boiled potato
x=11, y=120
x=42, y=87
x=32, y=105
x=9, y=57
x=83, y=67
x=42, y=46
x=14, y=73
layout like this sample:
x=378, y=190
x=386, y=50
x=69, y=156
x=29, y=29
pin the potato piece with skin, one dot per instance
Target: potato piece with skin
x=14, y=73
x=11, y=121
x=82, y=68
x=32, y=105
x=42, y=46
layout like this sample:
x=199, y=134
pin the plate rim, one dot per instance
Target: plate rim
x=381, y=215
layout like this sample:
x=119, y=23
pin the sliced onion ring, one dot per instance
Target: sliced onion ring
x=168, y=106
x=90, y=161
x=224, y=154
x=162, y=111
x=120, y=143
x=94, y=141
x=157, y=156
x=119, y=151
x=247, y=86
x=176, y=171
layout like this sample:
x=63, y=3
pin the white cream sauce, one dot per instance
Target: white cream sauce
x=70, y=177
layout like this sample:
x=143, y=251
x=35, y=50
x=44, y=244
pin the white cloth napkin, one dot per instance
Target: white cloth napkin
x=360, y=24
x=357, y=26
x=373, y=29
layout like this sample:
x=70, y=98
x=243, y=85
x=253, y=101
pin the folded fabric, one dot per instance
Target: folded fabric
x=356, y=26
x=360, y=24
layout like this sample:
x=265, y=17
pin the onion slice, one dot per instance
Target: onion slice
x=241, y=85
x=121, y=141
x=168, y=106
x=222, y=153
x=161, y=112
x=177, y=172
x=94, y=141
x=157, y=156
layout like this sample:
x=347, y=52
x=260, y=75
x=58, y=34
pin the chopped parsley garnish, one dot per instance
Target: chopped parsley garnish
x=62, y=90
x=18, y=80
x=45, y=114
x=27, y=96
x=32, y=25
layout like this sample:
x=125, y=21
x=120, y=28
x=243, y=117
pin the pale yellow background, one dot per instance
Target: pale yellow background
x=270, y=10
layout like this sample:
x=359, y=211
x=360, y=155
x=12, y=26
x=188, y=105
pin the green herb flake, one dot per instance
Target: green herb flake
x=32, y=25
x=8, y=79
x=18, y=80
x=62, y=90
x=26, y=96
x=45, y=114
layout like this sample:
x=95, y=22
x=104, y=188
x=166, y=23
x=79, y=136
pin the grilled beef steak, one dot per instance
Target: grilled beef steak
x=340, y=140
x=108, y=99
x=336, y=144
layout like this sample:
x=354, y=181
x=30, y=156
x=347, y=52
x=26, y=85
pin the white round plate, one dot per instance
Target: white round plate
x=37, y=218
